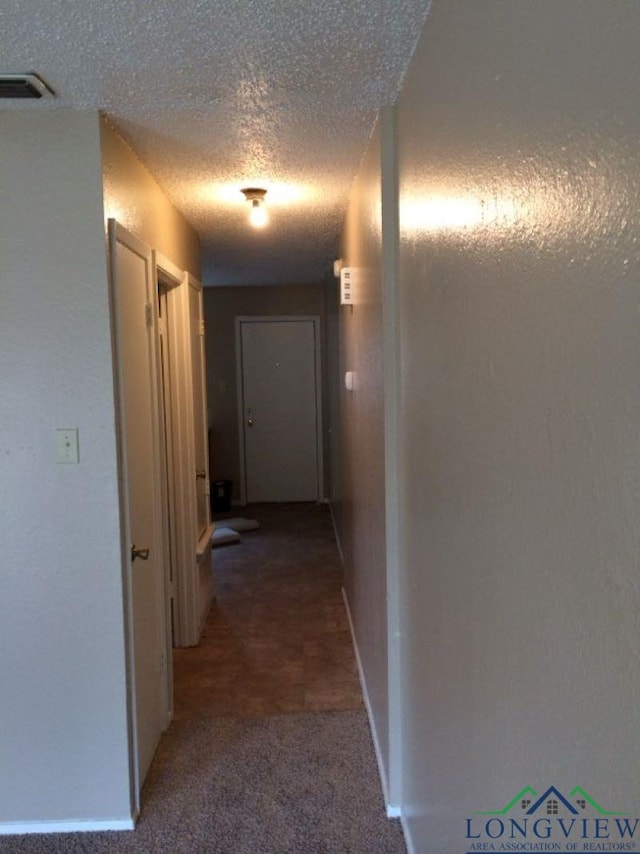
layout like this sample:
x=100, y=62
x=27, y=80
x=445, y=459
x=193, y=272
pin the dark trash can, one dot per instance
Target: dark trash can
x=221, y=496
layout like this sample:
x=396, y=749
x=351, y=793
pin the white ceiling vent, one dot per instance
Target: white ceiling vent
x=23, y=86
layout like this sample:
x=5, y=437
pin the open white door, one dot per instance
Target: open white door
x=134, y=321
x=202, y=529
x=199, y=392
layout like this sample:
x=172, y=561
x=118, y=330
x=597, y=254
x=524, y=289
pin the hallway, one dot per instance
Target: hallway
x=277, y=638
x=270, y=750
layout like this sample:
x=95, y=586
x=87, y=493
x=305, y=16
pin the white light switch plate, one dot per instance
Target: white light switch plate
x=67, y=445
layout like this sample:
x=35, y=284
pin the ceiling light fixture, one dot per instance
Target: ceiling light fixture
x=258, y=216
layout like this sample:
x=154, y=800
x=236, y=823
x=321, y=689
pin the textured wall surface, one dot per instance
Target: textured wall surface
x=62, y=667
x=62, y=659
x=222, y=306
x=133, y=197
x=362, y=504
x=334, y=386
x=520, y=272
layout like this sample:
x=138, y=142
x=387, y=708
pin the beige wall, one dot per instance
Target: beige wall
x=334, y=420
x=222, y=306
x=132, y=196
x=361, y=508
x=519, y=164
x=63, y=713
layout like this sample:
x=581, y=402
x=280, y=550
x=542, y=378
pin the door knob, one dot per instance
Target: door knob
x=249, y=422
x=143, y=554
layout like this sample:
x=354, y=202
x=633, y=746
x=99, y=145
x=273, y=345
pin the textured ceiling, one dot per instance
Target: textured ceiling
x=218, y=95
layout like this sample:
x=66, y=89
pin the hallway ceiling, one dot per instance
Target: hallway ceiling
x=215, y=95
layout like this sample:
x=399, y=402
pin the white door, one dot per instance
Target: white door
x=280, y=408
x=199, y=386
x=133, y=295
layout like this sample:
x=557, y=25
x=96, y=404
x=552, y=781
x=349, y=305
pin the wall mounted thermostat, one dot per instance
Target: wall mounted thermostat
x=347, y=281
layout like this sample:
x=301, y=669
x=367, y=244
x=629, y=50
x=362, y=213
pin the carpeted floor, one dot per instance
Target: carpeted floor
x=277, y=638
x=288, y=784
x=233, y=774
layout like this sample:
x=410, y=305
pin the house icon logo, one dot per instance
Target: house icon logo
x=552, y=820
x=551, y=801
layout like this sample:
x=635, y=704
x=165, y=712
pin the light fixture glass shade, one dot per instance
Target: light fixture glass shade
x=258, y=217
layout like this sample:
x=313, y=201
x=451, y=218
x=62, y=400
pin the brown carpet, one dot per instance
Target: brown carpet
x=233, y=774
x=291, y=784
x=277, y=638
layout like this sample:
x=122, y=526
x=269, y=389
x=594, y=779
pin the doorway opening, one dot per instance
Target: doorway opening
x=279, y=379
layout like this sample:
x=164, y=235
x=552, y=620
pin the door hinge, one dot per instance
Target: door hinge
x=201, y=327
x=160, y=326
x=148, y=313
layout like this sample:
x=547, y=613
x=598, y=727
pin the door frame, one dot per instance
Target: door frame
x=191, y=551
x=119, y=234
x=286, y=318
x=201, y=590
x=169, y=277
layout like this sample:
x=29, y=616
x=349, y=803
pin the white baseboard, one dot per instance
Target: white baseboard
x=18, y=828
x=393, y=810
x=408, y=841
